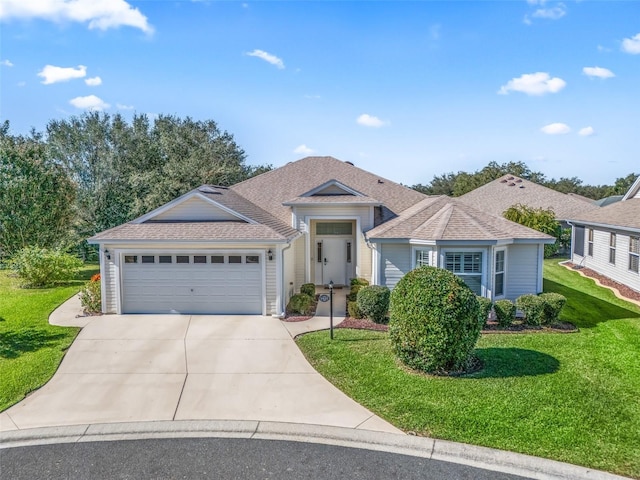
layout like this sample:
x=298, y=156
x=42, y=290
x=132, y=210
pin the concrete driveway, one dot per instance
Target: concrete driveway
x=125, y=368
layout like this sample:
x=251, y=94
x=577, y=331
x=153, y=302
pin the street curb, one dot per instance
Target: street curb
x=480, y=457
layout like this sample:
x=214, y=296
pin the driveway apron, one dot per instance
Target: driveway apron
x=125, y=368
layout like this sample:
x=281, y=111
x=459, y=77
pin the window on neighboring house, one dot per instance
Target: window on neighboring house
x=468, y=266
x=634, y=254
x=422, y=257
x=348, y=252
x=590, y=243
x=334, y=228
x=499, y=274
x=578, y=241
x=612, y=248
x=199, y=259
x=148, y=259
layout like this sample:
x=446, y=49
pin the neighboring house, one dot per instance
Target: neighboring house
x=607, y=240
x=247, y=248
x=497, y=196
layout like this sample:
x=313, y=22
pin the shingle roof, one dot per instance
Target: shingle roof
x=444, y=218
x=620, y=214
x=497, y=196
x=271, y=189
x=188, y=231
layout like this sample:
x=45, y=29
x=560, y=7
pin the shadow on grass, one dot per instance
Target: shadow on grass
x=584, y=310
x=14, y=344
x=514, y=362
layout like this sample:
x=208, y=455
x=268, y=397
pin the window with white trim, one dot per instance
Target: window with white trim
x=612, y=248
x=498, y=274
x=468, y=266
x=422, y=257
x=634, y=254
x=590, y=243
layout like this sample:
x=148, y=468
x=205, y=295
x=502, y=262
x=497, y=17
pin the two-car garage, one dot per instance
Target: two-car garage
x=193, y=282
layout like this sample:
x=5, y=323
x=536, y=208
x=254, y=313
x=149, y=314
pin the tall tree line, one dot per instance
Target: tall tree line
x=457, y=184
x=89, y=173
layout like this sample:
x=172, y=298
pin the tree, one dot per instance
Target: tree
x=123, y=170
x=36, y=196
x=542, y=220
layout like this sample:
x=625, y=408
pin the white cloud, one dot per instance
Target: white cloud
x=538, y=83
x=556, y=129
x=6, y=63
x=370, y=121
x=90, y=102
x=586, y=132
x=267, y=57
x=22, y=84
x=598, y=72
x=100, y=14
x=93, y=82
x=53, y=74
x=603, y=49
x=121, y=106
x=303, y=150
x=553, y=13
x=631, y=45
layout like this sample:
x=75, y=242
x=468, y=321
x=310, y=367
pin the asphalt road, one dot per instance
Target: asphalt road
x=222, y=458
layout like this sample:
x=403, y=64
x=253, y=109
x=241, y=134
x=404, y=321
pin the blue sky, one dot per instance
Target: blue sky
x=407, y=90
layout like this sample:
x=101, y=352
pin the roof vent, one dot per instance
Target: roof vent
x=348, y=163
x=511, y=184
x=509, y=178
x=519, y=180
x=208, y=189
x=380, y=181
x=503, y=181
x=521, y=186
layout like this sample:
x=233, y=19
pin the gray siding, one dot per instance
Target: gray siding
x=395, y=262
x=196, y=209
x=599, y=262
x=522, y=270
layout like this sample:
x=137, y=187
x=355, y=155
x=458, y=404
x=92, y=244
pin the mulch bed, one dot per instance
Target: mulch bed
x=606, y=281
x=362, y=324
x=296, y=317
x=519, y=327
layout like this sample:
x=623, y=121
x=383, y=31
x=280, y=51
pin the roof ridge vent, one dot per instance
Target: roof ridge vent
x=349, y=163
x=209, y=189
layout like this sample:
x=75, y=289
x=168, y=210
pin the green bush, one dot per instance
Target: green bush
x=434, y=324
x=485, y=309
x=359, y=281
x=308, y=289
x=352, y=296
x=300, y=303
x=532, y=306
x=553, y=304
x=91, y=295
x=354, y=311
x=41, y=267
x=373, y=302
x=505, y=312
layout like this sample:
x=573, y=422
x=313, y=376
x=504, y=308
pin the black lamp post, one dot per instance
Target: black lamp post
x=331, y=309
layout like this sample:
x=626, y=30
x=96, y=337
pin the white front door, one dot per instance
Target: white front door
x=334, y=261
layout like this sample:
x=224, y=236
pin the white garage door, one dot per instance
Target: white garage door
x=225, y=283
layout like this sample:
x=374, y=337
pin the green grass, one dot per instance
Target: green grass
x=30, y=348
x=572, y=397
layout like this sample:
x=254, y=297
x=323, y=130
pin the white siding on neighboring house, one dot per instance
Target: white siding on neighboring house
x=599, y=262
x=196, y=209
x=522, y=270
x=395, y=262
x=289, y=272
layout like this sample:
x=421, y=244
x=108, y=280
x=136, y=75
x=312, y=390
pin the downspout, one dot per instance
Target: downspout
x=280, y=303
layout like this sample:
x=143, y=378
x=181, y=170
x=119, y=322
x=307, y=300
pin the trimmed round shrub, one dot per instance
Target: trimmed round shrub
x=532, y=306
x=485, y=309
x=373, y=302
x=359, y=281
x=553, y=304
x=41, y=267
x=434, y=321
x=353, y=310
x=505, y=311
x=300, y=303
x=352, y=296
x=308, y=289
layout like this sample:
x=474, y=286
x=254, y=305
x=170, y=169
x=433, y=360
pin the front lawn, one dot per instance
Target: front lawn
x=30, y=348
x=572, y=397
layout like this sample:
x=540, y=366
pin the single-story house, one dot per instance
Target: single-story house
x=497, y=196
x=246, y=249
x=607, y=240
